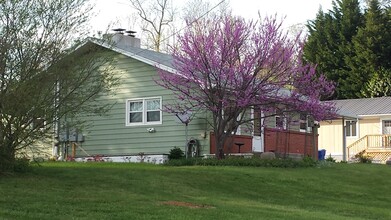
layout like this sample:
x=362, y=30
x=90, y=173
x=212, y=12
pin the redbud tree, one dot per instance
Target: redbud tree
x=227, y=66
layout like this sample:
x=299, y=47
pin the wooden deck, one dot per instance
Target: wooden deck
x=378, y=147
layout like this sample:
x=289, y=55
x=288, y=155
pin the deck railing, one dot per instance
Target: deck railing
x=372, y=141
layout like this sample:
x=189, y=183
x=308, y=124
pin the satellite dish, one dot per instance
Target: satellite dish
x=183, y=117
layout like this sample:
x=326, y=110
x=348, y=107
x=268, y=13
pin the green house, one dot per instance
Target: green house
x=136, y=127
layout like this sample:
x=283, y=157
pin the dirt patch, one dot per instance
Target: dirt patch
x=187, y=204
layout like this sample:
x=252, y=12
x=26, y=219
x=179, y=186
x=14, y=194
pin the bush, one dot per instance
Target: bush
x=19, y=165
x=362, y=158
x=22, y=165
x=176, y=153
x=240, y=161
x=330, y=159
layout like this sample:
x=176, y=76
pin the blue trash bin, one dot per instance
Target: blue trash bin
x=321, y=154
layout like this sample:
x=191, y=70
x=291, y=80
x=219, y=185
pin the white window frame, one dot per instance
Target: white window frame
x=382, y=125
x=144, y=111
x=350, y=128
x=306, y=122
x=284, y=122
x=239, y=128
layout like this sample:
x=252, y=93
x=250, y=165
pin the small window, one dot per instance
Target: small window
x=143, y=111
x=303, y=123
x=351, y=128
x=39, y=123
x=280, y=120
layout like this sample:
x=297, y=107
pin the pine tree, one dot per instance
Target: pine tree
x=379, y=85
x=372, y=44
x=329, y=43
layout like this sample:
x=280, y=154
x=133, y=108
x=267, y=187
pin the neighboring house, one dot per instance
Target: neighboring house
x=363, y=125
x=136, y=128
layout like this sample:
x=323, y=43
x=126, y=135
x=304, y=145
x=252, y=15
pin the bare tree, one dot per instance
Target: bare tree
x=196, y=9
x=41, y=81
x=157, y=17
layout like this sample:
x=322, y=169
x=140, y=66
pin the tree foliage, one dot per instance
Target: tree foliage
x=228, y=66
x=329, y=42
x=379, y=85
x=348, y=45
x=40, y=81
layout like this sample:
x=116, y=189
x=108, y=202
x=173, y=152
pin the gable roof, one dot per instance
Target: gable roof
x=364, y=107
x=157, y=59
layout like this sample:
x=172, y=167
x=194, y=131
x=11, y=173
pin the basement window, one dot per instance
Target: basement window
x=144, y=111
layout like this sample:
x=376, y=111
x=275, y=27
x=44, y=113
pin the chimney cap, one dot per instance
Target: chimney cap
x=119, y=30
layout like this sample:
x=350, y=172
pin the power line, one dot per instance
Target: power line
x=194, y=21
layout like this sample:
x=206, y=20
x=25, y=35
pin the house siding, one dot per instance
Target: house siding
x=330, y=134
x=109, y=135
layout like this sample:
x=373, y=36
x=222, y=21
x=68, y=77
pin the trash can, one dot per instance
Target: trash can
x=321, y=154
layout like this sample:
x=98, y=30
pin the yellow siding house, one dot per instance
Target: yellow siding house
x=362, y=125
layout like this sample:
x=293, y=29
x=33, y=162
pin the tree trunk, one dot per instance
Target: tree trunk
x=219, y=141
x=7, y=155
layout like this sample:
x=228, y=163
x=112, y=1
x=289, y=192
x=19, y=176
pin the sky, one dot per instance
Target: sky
x=117, y=12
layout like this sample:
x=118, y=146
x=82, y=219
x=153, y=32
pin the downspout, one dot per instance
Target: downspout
x=344, y=158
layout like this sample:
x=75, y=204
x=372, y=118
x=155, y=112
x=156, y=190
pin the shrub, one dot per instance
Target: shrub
x=330, y=159
x=240, y=161
x=363, y=158
x=176, y=153
x=19, y=165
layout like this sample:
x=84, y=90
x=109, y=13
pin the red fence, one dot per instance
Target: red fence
x=290, y=142
x=278, y=141
x=233, y=148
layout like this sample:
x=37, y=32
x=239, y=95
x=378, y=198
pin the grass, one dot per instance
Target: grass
x=143, y=191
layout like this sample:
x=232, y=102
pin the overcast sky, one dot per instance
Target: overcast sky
x=118, y=12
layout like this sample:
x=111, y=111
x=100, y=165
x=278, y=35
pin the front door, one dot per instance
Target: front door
x=387, y=127
x=387, y=133
x=258, y=131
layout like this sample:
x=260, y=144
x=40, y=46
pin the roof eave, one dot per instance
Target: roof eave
x=130, y=54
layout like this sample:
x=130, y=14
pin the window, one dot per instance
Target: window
x=143, y=111
x=280, y=122
x=232, y=123
x=303, y=123
x=351, y=128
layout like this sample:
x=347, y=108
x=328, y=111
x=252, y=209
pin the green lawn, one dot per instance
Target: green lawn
x=143, y=191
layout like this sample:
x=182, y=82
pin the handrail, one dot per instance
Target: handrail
x=374, y=141
x=357, y=146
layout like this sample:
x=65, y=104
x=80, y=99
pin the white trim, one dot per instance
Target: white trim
x=144, y=112
x=132, y=55
x=375, y=115
x=381, y=124
x=357, y=129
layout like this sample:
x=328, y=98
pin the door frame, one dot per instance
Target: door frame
x=382, y=123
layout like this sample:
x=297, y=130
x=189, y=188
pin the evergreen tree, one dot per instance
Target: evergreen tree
x=329, y=43
x=379, y=85
x=372, y=46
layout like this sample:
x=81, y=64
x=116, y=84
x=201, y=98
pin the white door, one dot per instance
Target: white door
x=387, y=127
x=258, y=132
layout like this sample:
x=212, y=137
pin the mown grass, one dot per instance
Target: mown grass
x=141, y=191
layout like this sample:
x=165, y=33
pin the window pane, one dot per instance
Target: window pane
x=153, y=116
x=353, y=125
x=135, y=117
x=348, y=129
x=135, y=106
x=153, y=104
x=303, y=126
x=279, y=122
